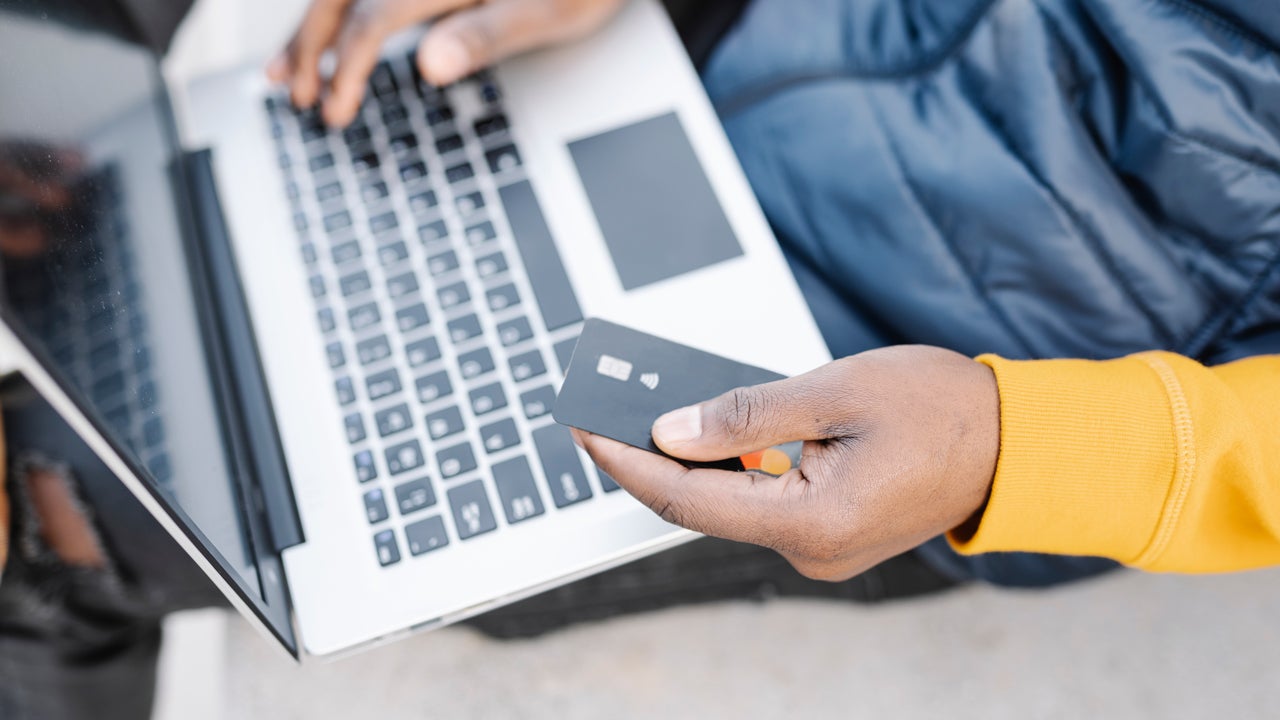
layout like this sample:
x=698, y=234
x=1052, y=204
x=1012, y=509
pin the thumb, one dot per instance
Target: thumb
x=746, y=419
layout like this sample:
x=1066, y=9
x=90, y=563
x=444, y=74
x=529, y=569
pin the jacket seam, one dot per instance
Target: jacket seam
x=1184, y=464
x=1222, y=323
x=1226, y=25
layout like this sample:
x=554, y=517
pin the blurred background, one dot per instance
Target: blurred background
x=1127, y=645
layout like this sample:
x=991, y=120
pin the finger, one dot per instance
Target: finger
x=732, y=505
x=471, y=39
x=315, y=34
x=815, y=406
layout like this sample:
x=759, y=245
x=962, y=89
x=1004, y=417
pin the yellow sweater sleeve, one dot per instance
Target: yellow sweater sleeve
x=1153, y=460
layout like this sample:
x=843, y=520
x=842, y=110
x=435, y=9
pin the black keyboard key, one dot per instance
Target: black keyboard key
x=480, y=233
x=365, y=469
x=393, y=254
x=433, y=232
x=527, y=365
x=375, y=506
x=373, y=191
x=414, y=495
x=472, y=514
x=393, y=420
x=388, y=551
x=356, y=134
x=454, y=461
x=383, y=222
x=448, y=144
x=404, y=457
x=493, y=125
x=412, y=172
x=318, y=288
x=469, y=204
x=453, y=295
x=499, y=436
x=503, y=159
x=502, y=297
x=382, y=384
x=152, y=432
x=488, y=398
x=564, y=352
x=439, y=114
x=560, y=465
x=365, y=163
x=426, y=535
x=364, y=316
x=320, y=162
x=459, y=172
x=355, y=283
x=442, y=263
x=443, y=423
x=423, y=202
x=607, y=483
x=337, y=221
x=394, y=115
x=329, y=191
x=346, y=252
x=491, y=265
x=538, y=402
x=355, y=427
x=475, y=363
x=337, y=358
x=402, y=285
x=382, y=81
x=517, y=492
x=464, y=328
x=421, y=352
x=309, y=255
x=373, y=350
x=327, y=322
x=433, y=387
x=514, y=331
x=551, y=287
x=403, y=141
x=300, y=222
x=346, y=391
x=412, y=317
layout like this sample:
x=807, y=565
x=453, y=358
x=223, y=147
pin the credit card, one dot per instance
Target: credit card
x=620, y=380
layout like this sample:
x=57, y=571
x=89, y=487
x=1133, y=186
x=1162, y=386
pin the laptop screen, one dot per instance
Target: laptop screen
x=93, y=275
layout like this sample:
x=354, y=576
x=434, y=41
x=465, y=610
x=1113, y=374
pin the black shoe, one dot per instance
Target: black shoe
x=704, y=570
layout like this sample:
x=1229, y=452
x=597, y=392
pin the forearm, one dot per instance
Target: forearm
x=1153, y=460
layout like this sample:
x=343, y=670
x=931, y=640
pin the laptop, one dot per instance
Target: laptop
x=325, y=359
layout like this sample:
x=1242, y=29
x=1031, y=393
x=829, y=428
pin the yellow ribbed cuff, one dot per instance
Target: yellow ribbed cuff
x=1087, y=457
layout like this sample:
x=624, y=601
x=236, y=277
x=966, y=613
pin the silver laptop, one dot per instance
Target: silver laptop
x=325, y=360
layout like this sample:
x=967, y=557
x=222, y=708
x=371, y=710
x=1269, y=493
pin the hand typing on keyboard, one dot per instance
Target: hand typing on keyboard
x=466, y=36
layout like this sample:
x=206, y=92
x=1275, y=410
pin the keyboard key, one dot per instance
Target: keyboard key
x=383, y=222
x=490, y=265
x=423, y=201
x=382, y=81
x=551, y=287
x=412, y=317
x=401, y=285
x=309, y=253
x=444, y=423
x=470, y=203
x=320, y=162
x=374, y=191
x=364, y=316
x=464, y=328
x=442, y=263
x=527, y=365
x=412, y=172
x=393, y=254
x=393, y=420
x=356, y=134
x=448, y=144
x=346, y=391
x=517, y=492
x=375, y=506
x=327, y=322
x=492, y=125
x=403, y=141
x=337, y=221
x=440, y=114
x=560, y=465
x=365, y=163
x=433, y=232
x=453, y=295
x=538, y=402
x=318, y=289
x=503, y=297
x=488, y=398
x=388, y=551
x=355, y=427
x=426, y=535
x=564, y=352
x=337, y=358
x=480, y=233
x=329, y=191
x=421, y=352
x=454, y=461
x=499, y=436
x=414, y=495
x=514, y=331
x=404, y=457
x=503, y=159
x=472, y=514
x=459, y=172
x=152, y=432
x=345, y=252
x=383, y=383
x=394, y=115
x=355, y=283
x=433, y=387
x=475, y=363
x=607, y=483
x=365, y=469
x=372, y=350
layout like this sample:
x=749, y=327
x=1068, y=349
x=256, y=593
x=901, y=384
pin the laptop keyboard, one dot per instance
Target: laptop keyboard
x=446, y=309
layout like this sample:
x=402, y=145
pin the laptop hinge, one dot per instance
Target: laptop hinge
x=247, y=404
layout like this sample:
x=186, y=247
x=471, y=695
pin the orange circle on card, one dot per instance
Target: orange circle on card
x=775, y=462
x=752, y=460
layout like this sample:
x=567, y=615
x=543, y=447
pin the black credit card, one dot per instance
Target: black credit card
x=620, y=380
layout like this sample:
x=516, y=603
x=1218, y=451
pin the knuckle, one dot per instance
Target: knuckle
x=740, y=414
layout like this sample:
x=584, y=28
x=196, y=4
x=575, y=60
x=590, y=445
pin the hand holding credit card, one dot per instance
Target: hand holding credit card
x=621, y=380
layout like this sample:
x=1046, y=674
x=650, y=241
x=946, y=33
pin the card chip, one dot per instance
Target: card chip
x=610, y=366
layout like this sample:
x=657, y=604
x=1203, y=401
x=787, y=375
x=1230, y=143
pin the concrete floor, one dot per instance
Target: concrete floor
x=1130, y=646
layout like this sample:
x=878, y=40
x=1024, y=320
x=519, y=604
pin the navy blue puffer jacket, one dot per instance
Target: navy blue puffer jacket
x=1035, y=178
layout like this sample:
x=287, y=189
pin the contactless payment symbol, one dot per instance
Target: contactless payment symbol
x=649, y=380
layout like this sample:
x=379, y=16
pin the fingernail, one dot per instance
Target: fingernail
x=678, y=426
x=448, y=60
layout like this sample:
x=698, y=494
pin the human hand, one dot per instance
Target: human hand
x=901, y=446
x=465, y=36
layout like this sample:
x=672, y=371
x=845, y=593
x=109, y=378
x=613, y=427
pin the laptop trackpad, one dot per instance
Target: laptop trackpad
x=653, y=201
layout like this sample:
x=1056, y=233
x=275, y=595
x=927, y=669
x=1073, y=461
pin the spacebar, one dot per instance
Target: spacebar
x=556, y=299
